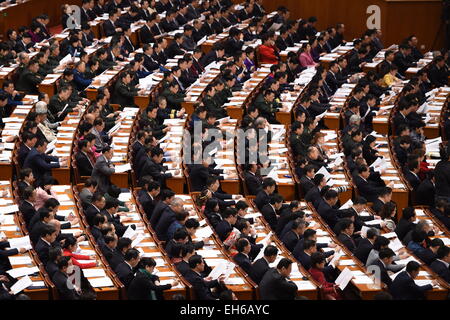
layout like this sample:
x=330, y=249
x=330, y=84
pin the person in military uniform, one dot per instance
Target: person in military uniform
x=55, y=57
x=30, y=79
x=44, y=66
x=297, y=145
x=266, y=105
x=220, y=95
x=210, y=101
x=59, y=105
x=67, y=81
x=123, y=93
x=149, y=120
x=173, y=96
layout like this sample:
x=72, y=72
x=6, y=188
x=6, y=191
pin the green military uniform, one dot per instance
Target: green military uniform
x=214, y=106
x=124, y=94
x=174, y=100
x=28, y=82
x=297, y=145
x=56, y=106
x=266, y=109
x=44, y=69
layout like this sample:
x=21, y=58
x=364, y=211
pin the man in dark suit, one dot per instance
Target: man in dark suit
x=152, y=166
x=242, y=259
x=263, y=196
x=313, y=196
x=386, y=64
x=402, y=59
x=291, y=237
x=84, y=162
x=60, y=279
x=202, y=287
x=110, y=26
x=28, y=142
x=367, y=188
x=24, y=44
x=174, y=48
x=40, y=163
x=406, y=223
x=304, y=256
x=27, y=208
x=275, y=284
x=346, y=235
x=214, y=55
x=169, y=23
x=252, y=180
x=404, y=288
x=384, y=197
x=97, y=205
x=199, y=174
x=125, y=271
x=47, y=240
x=441, y=264
x=261, y=266
x=270, y=210
x=411, y=174
x=306, y=181
x=386, y=257
x=110, y=251
x=5, y=265
x=167, y=218
x=30, y=79
x=146, y=34
x=326, y=208
x=438, y=73
x=365, y=245
x=147, y=198
x=38, y=227
x=225, y=226
x=425, y=194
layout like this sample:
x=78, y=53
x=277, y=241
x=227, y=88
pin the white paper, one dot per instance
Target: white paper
x=22, y=284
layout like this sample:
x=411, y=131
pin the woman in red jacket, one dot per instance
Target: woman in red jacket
x=70, y=245
x=329, y=290
x=268, y=51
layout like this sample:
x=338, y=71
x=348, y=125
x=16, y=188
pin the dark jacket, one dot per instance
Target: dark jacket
x=274, y=286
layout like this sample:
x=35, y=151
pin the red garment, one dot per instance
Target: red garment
x=423, y=170
x=74, y=257
x=267, y=55
x=327, y=288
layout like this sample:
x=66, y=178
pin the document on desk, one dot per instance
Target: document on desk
x=325, y=172
x=101, y=282
x=23, y=271
x=219, y=269
x=344, y=278
x=20, y=260
x=362, y=279
x=346, y=205
x=205, y=232
x=130, y=233
x=138, y=239
x=337, y=256
x=23, y=242
x=22, y=284
x=395, y=244
x=123, y=168
x=9, y=209
x=208, y=253
x=94, y=272
x=234, y=281
x=305, y=285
